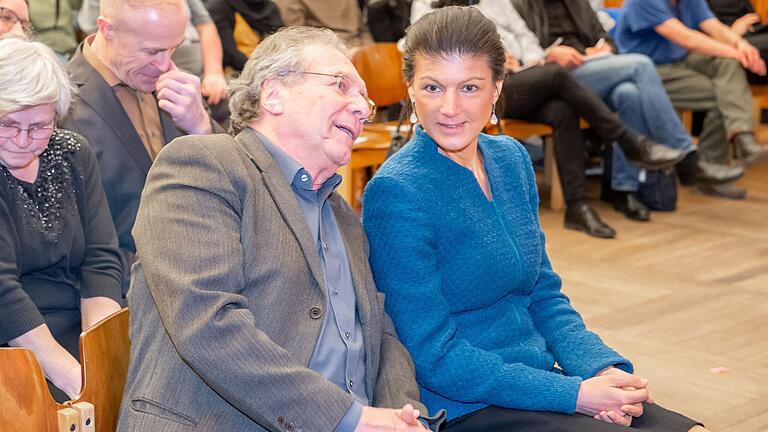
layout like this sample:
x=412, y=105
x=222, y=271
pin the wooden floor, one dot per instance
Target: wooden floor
x=681, y=295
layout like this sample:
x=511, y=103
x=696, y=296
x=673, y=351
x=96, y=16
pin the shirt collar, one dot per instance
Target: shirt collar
x=94, y=60
x=294, y=172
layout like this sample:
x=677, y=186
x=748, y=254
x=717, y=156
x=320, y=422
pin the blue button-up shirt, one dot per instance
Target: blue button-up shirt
x=340, y=353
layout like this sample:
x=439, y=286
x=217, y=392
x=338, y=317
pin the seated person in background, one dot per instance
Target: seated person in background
x=342, y=16
x=133, y=100
x=200, y=54
x=457, y=248
x=741, y=16
x=261, y=15
x=59, y=263
x=14, y=17
x=629, y=84
x=549, y=94
x=53, y=25
x=700, y=63
x=253, y=290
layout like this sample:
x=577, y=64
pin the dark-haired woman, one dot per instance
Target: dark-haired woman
x=547, y=93
x=60, y=270
x=457, y=248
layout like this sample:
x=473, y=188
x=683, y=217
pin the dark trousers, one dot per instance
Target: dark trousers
x=492, y=418
x=549, y=94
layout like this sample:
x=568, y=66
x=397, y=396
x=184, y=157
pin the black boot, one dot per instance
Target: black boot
x=580, y=216
x=693, y=171
x=646, y=153
x=746, y=148
x=630, y=205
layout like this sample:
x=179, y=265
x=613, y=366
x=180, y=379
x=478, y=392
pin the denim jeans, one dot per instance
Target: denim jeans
x=630, y=85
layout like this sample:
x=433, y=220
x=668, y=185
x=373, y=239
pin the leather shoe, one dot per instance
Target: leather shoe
x=629, y=204
x=727, y=191
x=706, y=173
x=746, y=148
x=646, y=153
x=582, y=217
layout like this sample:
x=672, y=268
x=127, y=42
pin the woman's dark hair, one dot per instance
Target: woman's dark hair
x=454, y=30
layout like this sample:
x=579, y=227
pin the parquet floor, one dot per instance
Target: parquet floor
x=681, y=295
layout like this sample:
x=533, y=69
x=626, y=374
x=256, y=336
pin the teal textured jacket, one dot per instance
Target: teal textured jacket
x=469, y=286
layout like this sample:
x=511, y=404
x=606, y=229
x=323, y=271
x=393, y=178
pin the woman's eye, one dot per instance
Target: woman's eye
x=431, y=88
x=470, y=88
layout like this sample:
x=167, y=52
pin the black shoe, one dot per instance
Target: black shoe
x=582, y=217
x=727, y=191
x=646, y=153
x=746, y=148
x=629, y=204
x=704, y=173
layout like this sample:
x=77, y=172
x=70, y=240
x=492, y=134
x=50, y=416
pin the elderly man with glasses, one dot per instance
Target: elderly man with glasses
x=253, y=307
x=14, y=16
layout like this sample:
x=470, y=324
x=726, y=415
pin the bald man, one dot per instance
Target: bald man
x=133, y=99
x=14, y=16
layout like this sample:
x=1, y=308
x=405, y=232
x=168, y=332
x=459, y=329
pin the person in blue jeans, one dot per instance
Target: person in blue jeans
x=628, y=83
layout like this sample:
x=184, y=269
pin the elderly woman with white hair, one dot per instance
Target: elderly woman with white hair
x=60, y=271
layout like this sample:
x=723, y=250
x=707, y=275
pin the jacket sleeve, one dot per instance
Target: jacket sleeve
x=188, y=240
x=19, y=314
x=404, y=259
x=101, y=271
x=578, y=351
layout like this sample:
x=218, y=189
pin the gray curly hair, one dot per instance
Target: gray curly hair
x=276, y=57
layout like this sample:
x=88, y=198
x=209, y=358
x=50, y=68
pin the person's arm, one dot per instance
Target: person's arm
x=744, y=24
x=406, y=269
x=21, y=324
x=101, y=270
x=719, y=31
x=213, y=86
x=675, y=31
x=223, y=16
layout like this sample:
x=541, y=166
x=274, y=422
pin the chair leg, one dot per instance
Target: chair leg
x=551, y=177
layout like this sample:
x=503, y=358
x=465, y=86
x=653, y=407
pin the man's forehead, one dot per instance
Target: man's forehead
x=19, y=7
x=329, y=60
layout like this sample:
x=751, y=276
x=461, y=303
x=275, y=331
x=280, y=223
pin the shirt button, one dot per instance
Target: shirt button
x=325, y=246
x=346, y=335
x=304, y=177
x=315, y=312
x=335, y=292
x=351, y=384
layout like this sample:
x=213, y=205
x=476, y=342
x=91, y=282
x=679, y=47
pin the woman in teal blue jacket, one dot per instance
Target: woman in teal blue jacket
x=457, y=248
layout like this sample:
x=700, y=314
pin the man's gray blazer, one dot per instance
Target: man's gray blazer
x=227, y=300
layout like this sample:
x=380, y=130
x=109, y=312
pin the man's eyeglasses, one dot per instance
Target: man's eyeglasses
x=9, y=18
x=36, y=133
x=343, y=85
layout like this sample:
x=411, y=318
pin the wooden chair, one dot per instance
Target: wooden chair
x=27, y=405
x=380, y=66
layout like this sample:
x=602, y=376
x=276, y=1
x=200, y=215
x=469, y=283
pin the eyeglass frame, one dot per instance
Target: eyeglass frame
x=339, y=78
x=48, y=129
x=25, y=24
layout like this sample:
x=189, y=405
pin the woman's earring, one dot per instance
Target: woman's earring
x=494, y=119
x=413, y=119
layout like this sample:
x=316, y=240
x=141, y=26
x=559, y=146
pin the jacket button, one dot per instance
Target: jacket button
x=315, y=312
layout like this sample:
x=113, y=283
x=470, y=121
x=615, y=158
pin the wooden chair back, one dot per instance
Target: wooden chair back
x=380, y=66
x=25, y=402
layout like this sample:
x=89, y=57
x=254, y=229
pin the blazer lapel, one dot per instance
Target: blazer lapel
x=95, y=92
x=284, y=200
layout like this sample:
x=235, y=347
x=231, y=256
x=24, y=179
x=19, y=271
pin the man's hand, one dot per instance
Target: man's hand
x=606, y=393
x=598, y=49
x=179, y=94
x=745, y=23
x=565, y=56
x=749, y=57
x=405, y=419
x=214, y=88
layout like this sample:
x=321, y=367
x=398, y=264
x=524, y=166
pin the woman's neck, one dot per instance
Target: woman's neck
x=28, y=173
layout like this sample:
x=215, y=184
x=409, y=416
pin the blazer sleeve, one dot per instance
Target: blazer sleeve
x=578, y=351
x=188, y=240
x=101, y=270
x=406, y=268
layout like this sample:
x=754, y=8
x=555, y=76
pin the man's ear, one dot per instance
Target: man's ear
x=272, y=96
x=106, y=28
